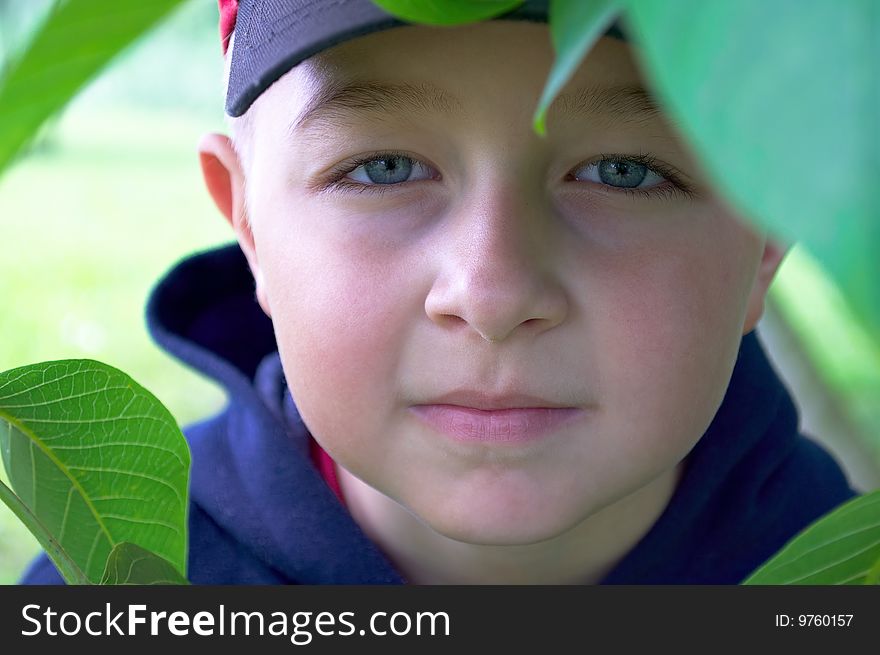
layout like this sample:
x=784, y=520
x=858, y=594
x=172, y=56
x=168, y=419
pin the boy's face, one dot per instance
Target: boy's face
x=494, y=260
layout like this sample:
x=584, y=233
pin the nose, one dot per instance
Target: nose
x=498, y=269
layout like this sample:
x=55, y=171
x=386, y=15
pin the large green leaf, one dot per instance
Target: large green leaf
x=842, y=547
x=78, y=38
x=781, y=101
x=446, y=12
x=574, y=27
x=97, y=459
x=129, y=564
x=69, y=569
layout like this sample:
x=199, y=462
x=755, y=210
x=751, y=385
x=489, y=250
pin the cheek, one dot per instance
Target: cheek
x=672, y=332
x=341, y=320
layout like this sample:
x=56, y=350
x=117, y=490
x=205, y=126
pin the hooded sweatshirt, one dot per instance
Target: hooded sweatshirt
x=265, y=507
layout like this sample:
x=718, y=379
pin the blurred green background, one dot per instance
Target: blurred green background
x=106, y=201
x=111, y=196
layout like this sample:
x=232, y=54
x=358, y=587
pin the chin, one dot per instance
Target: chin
x=498, y=535
x=499, y=525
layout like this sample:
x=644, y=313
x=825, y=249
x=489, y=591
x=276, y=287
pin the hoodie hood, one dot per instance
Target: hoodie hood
x=749, y=485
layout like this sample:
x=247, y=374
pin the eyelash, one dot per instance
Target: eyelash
x=674, y=185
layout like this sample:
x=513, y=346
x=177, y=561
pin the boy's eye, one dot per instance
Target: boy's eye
x=633, y=175
x=385, y=169
x=620, y=173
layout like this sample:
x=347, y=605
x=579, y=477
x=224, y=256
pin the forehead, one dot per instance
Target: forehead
x=495, y=67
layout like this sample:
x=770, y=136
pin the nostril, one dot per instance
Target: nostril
x=531, y=322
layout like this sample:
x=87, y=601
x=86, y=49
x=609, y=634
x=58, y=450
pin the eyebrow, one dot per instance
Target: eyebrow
x=374, y=99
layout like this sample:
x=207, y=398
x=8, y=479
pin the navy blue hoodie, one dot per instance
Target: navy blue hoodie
x=260, y=511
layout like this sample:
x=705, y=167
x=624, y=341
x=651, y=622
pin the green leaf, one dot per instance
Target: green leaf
x=873, y=576
x=78, y=38
x=842, y=547
x=68, y=568
x=446, y=12
x=97, y=459
x=781, y=102
x=129, y=564
x=575, y=25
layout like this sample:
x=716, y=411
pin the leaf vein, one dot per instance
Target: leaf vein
x=99, y=469
x=62, y=399
x=131, y=519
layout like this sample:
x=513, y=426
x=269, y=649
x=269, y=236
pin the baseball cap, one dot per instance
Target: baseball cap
x=273, y=36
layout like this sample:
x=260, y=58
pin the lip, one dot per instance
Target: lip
x=524, y=419
x=489, y=402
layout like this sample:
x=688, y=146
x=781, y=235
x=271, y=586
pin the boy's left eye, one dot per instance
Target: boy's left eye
x=620, y=173
x=633, y=175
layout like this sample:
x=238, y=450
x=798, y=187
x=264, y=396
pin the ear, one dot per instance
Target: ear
x=774, y=253
x=225, y=181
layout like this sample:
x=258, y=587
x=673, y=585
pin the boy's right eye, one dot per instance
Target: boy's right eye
x=376, y=172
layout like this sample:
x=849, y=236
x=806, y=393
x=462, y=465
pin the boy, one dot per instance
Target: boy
x=474, y=355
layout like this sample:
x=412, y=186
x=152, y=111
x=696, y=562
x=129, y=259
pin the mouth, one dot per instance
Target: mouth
x=488, y=402
x=514, y=425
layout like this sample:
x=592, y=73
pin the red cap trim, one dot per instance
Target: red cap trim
x=228, y=14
